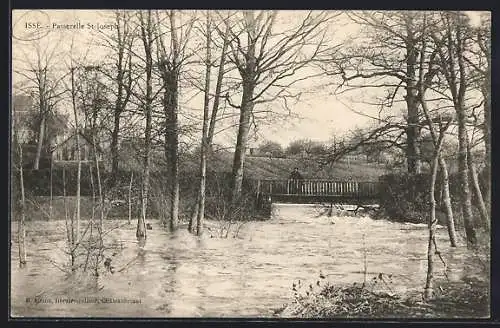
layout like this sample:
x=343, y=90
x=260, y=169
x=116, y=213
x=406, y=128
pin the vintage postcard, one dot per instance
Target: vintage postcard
x=250, y=164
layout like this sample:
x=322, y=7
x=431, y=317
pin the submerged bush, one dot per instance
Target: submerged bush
x=325, y=300
x=467, y=298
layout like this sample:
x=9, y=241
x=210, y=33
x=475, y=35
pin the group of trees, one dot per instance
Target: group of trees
x=170, y=75
x=152, y=66
x=429, y=79
x=295, y=148
x=434, y=67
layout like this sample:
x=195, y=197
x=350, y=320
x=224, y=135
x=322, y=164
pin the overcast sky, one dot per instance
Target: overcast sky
x=318, y=116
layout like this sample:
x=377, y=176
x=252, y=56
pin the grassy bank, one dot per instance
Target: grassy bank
x=463, y=299
x=280, y=168
x=466, y=297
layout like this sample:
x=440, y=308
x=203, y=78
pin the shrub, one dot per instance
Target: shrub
x=404, y=197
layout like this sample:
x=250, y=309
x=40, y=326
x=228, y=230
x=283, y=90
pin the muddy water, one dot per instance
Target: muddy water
x=179, y=275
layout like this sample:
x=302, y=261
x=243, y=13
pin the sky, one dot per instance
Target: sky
x=318, y=116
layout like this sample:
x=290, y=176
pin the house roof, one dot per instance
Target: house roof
x=21, y=103
x=83, y=135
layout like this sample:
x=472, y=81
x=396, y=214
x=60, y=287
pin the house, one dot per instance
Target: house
x=22, y=114
x=66, y=150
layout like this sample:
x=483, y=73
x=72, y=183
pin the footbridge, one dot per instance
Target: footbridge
x=316, y=191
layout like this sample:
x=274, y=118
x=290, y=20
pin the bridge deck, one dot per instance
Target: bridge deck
x=306, y=188
x=316, y=191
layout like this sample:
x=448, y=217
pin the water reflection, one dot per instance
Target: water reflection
x=178, y=274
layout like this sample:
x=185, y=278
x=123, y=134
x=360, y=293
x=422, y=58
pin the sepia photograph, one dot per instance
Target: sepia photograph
x=298, y=164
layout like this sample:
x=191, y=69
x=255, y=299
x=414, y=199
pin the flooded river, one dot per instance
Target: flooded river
x=180, y=275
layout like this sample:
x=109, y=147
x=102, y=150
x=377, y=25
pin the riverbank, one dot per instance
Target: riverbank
x=465, y=298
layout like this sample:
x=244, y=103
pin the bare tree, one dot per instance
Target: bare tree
x=386, y=58
x=478, y=57
x=451, y=47
x=209, y=123
x=147, y=38
x=432, y=247
x=73, y=91
x=484, y=41
x=170, y=63
x=121, y=78
x=204, y=135
x=268, y=64
x=427, y=72
x=424, y=81
x=44, y=86
x=21, y=230
x=91, y=95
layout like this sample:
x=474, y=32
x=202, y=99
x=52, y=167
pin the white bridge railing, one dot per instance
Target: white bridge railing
x=318, y=187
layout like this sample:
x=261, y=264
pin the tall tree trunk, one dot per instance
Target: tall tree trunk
x=487, y=138
x=431, y=249
x=51, y=207
x=171, y=148
x=477, y=189
x=248, y=75
x=99, y=186
x=450, y=221
x=147, y=37
x=21, y=229
x=114, y=145
x=76, y=238
x=453, y=68
x=203, y=170
x=141, y=220
x=437, y=139
x=218, y=88
x=39, y=145
x=464, y=178
x=194, y=214
x=412, y=104
x=241, y=142
x=171, y=103
x=130, y=198
x=173, y=145
x=204, y=138
x=486, y=91
x=213, y=118
x=123, y=78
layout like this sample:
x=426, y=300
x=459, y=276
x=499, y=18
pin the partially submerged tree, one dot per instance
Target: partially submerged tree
x=21, y=228
x=172, y=56
x=146, y=100
x=204, y=133
x=92, y=99
x=432, y=222
x=427, y=73
x=451, y=44
x=209, y=122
